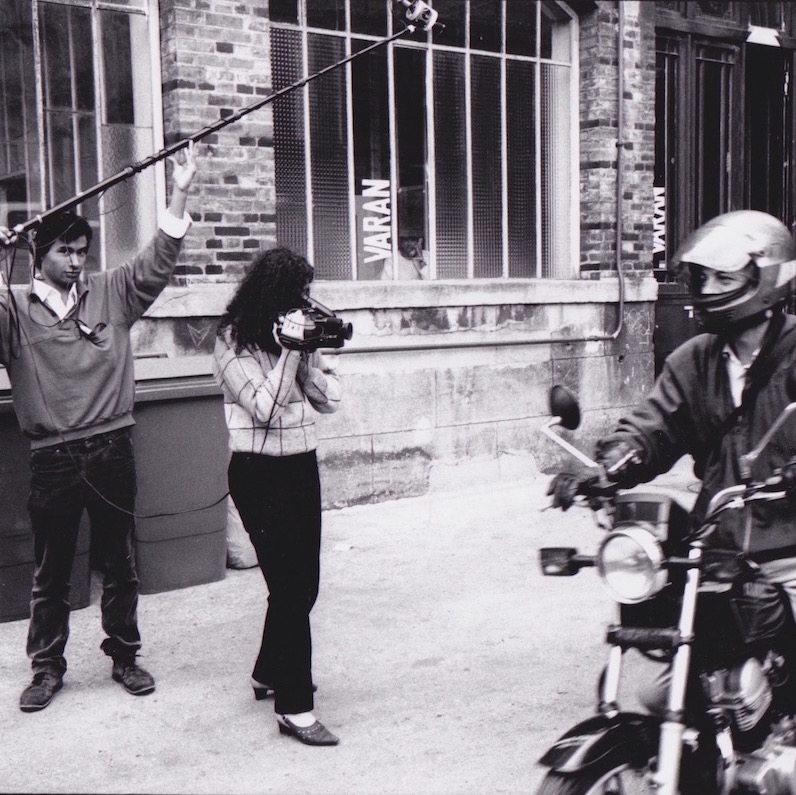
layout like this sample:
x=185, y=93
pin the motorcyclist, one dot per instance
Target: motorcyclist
x=719, y=392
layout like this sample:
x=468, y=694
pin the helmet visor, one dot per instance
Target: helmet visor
x=729, y=251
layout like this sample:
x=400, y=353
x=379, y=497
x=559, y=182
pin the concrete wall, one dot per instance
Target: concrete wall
x=445, y=382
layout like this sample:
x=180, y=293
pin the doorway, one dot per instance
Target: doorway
x=768, y=130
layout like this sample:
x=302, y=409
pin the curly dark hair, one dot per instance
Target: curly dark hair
x=275, y=283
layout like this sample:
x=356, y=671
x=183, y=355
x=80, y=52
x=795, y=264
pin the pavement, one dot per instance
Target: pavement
x=444, y=661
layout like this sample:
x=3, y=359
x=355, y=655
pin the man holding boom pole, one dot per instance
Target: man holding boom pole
x=66, y=345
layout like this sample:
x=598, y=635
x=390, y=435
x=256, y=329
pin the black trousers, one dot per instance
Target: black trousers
x=279, y=502
x=59, y=492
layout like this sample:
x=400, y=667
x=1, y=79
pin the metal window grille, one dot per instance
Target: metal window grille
x=79, y=101
x=446, y=155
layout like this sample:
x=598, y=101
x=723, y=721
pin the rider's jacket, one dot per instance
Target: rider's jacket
x=690, y=410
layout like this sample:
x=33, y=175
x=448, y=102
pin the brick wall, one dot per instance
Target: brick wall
x=215, y=61
x=599, y=52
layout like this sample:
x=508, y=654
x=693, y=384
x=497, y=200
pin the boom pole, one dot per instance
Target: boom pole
x=416, y=11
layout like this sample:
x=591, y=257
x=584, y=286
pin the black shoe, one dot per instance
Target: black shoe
x=262, y=691
x=39, y=693
x=134, y=678
x=317, y=734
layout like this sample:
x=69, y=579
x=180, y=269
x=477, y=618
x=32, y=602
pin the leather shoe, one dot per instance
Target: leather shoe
x=262, y=691
x=316, y=734
x=134, y=678
x=39, y=693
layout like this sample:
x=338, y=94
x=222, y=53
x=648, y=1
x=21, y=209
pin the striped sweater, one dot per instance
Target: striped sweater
x=270, y=401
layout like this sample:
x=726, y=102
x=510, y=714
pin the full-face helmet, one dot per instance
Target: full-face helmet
x=746, y=240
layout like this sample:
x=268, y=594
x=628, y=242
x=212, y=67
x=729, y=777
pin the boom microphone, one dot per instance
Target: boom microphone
x=420, y=12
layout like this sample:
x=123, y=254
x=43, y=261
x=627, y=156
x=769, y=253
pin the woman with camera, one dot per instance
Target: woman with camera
x=273, y=387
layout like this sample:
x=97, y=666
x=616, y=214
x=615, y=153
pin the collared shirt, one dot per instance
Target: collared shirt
x=170, y=224
x=52, y=298
x=736, y=370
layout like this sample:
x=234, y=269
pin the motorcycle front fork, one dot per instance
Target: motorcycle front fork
x=673, y=729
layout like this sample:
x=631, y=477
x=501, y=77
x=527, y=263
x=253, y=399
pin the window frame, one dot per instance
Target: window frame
x=156, y=190
x=686, y=205
x=550, y=269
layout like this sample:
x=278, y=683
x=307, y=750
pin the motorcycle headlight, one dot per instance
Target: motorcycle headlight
x=630, y=563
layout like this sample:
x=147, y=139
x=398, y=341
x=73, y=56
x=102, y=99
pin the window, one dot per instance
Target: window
x=701, y=141
x=715, y=104
x=442, y=155
x=86, y=114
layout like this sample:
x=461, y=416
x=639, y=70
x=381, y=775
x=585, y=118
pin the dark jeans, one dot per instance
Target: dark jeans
x=279, y=501
x=66, y=479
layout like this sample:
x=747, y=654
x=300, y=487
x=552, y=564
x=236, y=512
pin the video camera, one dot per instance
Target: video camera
x=312, y=327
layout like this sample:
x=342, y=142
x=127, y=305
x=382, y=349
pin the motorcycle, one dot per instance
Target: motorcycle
x=727, y=717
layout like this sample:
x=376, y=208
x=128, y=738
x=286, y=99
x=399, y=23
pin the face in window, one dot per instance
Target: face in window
x=63, y=263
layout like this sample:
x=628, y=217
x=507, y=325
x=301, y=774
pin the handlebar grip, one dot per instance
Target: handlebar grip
x=604, y=488
x=667, y=638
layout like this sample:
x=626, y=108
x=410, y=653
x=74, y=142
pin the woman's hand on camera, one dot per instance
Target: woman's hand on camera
x=303, y=368
x=278, y=340
x=286, y=348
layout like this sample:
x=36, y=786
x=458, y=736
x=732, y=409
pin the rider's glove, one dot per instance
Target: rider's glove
x=565, y=486
x=620, y=459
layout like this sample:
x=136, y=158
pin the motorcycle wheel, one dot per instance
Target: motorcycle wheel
x=612, y=775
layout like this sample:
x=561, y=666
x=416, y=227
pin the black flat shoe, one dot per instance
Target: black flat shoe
x=262, y=691
x=317, y=734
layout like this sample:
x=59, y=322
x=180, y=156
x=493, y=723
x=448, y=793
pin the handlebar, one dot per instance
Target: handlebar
x=747, y=461
x=737, y=498
x=768, y=490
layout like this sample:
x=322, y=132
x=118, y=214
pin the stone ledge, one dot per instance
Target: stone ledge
x=210, y=300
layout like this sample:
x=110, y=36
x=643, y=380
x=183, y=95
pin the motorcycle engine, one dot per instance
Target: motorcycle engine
x=743, y=691
x=771, y=770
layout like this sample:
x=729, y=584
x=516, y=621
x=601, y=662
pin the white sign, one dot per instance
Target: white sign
x=376, y=219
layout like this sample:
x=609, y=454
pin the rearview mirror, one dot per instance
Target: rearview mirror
x=564, y=405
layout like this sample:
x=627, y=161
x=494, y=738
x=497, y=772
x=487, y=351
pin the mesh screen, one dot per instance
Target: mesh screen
x=329, y=166
x=289, y=166
x=521, y=191
x=487, y=182
x=451, y=165
x=555, y=171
